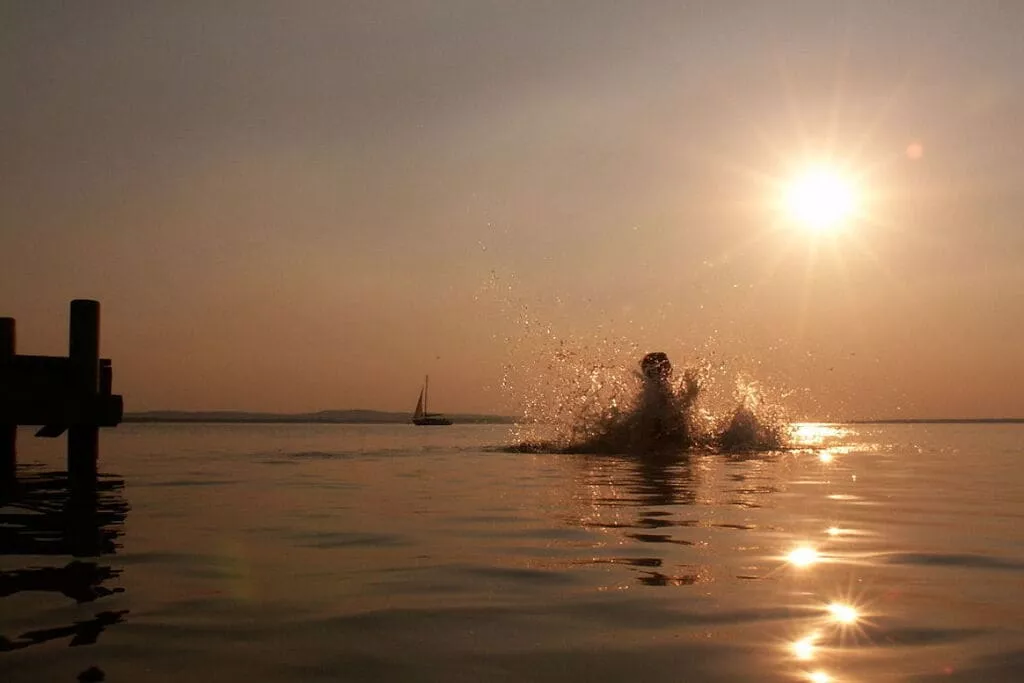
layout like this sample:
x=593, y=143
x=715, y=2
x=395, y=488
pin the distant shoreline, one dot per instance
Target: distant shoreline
x=942, y=420
x=321, y=417
x=385, y=417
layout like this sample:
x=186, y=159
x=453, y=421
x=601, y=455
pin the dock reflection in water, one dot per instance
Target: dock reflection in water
x=42, y=517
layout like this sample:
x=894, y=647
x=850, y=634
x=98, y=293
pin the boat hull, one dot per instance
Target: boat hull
x=432, y=421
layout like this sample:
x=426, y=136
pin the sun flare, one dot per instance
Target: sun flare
x=804, y=556
x=821, y=199
x=843, y=614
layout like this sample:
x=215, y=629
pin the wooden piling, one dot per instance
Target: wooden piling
x=84, y=353
x=8, y=432
x=106, y=377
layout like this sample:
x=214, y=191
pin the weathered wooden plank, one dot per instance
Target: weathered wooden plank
x=99, y=410
x=24, y=375
x=33, y=375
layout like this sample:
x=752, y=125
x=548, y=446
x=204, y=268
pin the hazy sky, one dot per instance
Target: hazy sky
x=304, y=205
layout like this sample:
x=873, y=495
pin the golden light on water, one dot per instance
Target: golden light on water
x=819, y=677
x=812, y=433
x=820, y=199
x=834, y=531
x=805, y=647
x=825, y=456
x=803, y=556
x=843, y=613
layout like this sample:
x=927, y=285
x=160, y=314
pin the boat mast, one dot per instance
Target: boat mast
x=426, y=390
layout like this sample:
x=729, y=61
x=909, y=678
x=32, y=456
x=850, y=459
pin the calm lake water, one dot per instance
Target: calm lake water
x=395, y=553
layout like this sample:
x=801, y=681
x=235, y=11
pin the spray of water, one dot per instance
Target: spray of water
x=587, y=393
x=754, y=423
x=583, y=402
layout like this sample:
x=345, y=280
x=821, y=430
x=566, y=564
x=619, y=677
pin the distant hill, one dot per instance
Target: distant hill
x=323, y=416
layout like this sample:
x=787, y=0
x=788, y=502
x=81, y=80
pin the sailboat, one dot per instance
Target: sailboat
x=421, y=416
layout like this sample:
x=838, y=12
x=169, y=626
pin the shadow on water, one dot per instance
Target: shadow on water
x=662, y=481
x=663, y=503
x=41, y=515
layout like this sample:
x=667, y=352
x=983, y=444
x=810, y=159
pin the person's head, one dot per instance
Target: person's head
x=656, y=366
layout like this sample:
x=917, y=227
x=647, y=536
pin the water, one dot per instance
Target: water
x=376, y=553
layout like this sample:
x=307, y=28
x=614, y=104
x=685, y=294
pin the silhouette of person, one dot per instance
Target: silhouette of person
x=663, y=407
x=658, y=414
x=656, y=367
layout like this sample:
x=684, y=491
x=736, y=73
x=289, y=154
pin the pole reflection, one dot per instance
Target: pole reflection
x=44, y=516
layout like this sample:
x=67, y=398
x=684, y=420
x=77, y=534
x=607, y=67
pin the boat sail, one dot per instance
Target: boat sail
x=421, y=416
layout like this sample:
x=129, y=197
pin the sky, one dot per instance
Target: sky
x=310, y=205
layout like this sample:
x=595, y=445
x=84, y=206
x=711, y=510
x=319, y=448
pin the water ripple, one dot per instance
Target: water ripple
x=953, y=560
x=344, y=539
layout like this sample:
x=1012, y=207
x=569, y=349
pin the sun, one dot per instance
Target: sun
x=821, y=199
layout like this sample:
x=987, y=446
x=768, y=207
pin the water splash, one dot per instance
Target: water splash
x=580, y=390
x=755, y=423
x=588, y=403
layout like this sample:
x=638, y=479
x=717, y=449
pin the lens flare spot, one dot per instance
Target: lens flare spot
x=804, y=556
x=833, y=531
x=825, y=456
x=843, y=613
x=819, y=677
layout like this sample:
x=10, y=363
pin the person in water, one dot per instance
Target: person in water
x=656, y=367
x=656, y=370
x=665, y=418
x=663, y=408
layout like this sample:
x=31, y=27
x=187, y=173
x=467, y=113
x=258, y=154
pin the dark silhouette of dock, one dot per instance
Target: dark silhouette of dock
x=76, y=515
x=70, y=393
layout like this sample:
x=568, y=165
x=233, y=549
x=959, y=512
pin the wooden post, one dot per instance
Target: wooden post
x=8, y=432
x=106, y=377
x=84, y=352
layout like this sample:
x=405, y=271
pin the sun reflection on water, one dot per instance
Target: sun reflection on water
x=843, y=613
x=803, y=556
x=805, y=648
x=814, y=433
x=842, y=617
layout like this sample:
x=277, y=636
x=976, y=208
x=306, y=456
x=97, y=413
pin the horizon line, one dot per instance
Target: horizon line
x=228, y=415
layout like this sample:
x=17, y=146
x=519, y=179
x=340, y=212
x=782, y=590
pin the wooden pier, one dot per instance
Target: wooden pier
x=59, y=393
